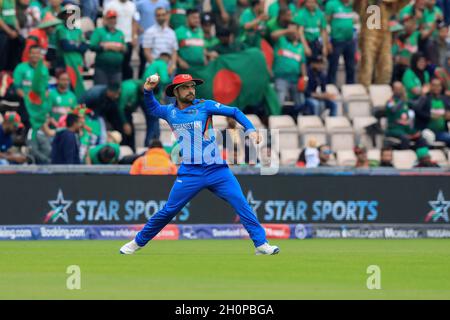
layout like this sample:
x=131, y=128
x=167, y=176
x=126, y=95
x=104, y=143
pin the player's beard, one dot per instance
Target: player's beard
x=188, y=98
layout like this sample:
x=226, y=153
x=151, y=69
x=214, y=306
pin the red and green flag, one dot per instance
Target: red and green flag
x=36, y=102
x=74, y=67
x=239, y=79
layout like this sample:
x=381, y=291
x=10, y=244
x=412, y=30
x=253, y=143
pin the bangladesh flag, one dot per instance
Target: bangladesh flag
x=74, y=67
x=240, y=79
x=36, y=102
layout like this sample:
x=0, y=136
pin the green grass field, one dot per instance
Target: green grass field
x=226, y=269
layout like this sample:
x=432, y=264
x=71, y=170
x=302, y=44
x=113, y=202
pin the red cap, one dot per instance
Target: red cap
x=180, y=79
x=111, y=13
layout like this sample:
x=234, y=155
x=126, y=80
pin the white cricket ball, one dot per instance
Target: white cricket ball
x=154, y=78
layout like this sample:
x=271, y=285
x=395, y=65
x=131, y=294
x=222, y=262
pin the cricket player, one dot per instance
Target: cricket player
x=202, y=166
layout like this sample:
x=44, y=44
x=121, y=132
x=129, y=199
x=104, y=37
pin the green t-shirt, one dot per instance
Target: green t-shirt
x=61, y=103
x=438, y=108
x=341, y=20
x=23, y=76
x=191, y=45
x=288, y=58
x=107, y=59
x=233, y=47
x=92, y=136
x=94, y=152
x=274, y=8
x=178, y=12
x=397, y=110
x=129, y=96
x=430, y=17
x=73, y=36
x=211, y=42
x=8, y=12
x=406, y=46
x=411, y=80
x=229, y=5
x=160, y=67
x=251, y=37
x=408, y=11
x=312, y=22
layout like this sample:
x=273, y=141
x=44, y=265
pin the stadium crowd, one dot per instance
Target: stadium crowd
x=90, y=72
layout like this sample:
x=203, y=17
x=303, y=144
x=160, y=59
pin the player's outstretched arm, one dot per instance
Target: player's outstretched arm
x=152, y=106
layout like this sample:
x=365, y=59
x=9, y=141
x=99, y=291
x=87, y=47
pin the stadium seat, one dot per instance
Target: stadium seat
x=310, y=124
x=374, y=154
x=139, y=119
x=139, y=137
x=1, y=118
x=255, y=120
x=359, y=125
x=439, y=157
x=333, y=89
x=289, y=157
x=358, y=109
x=125, y=151
x=404, y=159
x=288, y=138
x=220, y=122
x=141, y=150
x=346, y=158
x=352, y=92
x=342, y=141
x=380, y=94
x=333, y=124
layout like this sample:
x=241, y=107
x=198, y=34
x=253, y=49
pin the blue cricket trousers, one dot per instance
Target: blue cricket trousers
x=191, y=180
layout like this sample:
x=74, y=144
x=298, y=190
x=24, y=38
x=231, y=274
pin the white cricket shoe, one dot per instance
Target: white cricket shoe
x=266, y=249
x=130, y=247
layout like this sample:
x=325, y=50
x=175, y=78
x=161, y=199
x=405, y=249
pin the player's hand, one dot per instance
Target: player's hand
x=255, y=137
x=149, y=84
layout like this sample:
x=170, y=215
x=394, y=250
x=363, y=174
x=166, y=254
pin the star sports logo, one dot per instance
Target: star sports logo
x=440, y=209
x=255, y=204
x=59, y=209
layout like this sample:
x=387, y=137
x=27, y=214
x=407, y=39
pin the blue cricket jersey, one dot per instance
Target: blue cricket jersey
x=193, y=127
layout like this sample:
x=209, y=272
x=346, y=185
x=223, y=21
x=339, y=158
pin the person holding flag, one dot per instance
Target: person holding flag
x=202, y=165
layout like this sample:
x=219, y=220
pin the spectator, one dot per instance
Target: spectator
x=127, y=104
x=424, y=159
x=23, y=76
x=191, y=42
x=399, y=120
x=433, y=112
x=443, y=74
x=432, y=16
x=156, y=161
x=65, y=145
x=53, y=9
x=445, y=7
x=40, y=36
x=313, y=29
x=443, y=46
x=127, y=17
x=178, y=12
x=341, y=18
x=89, y=8
x=62, y=99
x=289, y=68
x=315, y=100
x=325, y=153
x=25, y=17
x=281, y=25
x=236, y=147
x=11, y=124
x=40, y=148
x=406, y=44
x=386, y=157
x=160, y=66
x=274, y=8
x=362, y=161
x=147, y=16
x=312, y=159
x=70, y=48
x=109, y=44
x=227, y=43
x=160, y=38
x=107, y=153
x=253, y=23
x=11, y=42
x=225, y=14
x=207, y=23
x=416, y=79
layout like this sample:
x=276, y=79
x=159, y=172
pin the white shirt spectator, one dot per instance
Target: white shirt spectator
x=160, y=39
x=126, y=13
